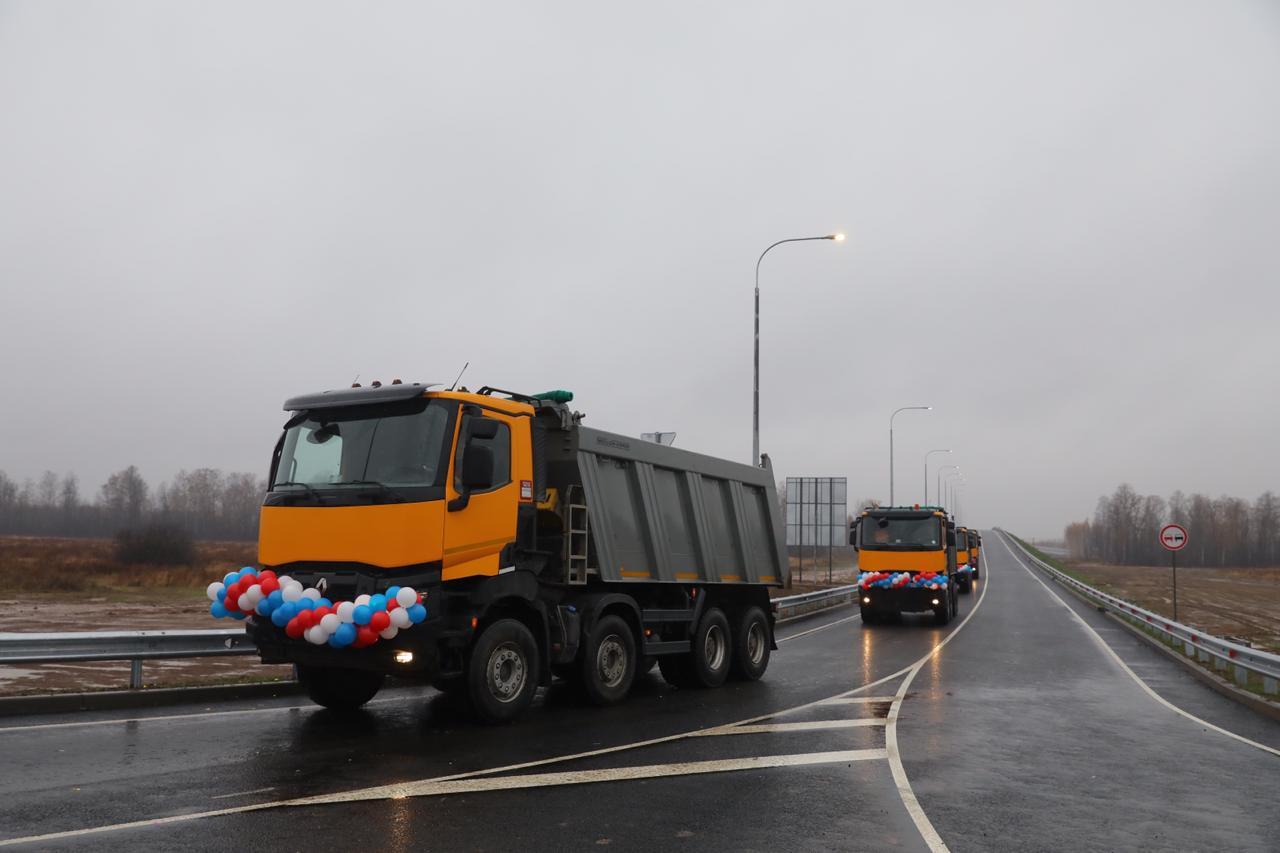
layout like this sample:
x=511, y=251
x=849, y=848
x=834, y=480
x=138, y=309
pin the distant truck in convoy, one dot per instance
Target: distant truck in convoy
x=907, y=563
x=537, y=546
x=964, y=559
x=975, y=552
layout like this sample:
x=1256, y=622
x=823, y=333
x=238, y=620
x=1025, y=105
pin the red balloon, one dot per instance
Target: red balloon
x=266, y=573
x=306, y=619
x=366, y=636
x=270, y=585
x=322, y=612
x=380, y=621
x=294, y=629
x=392, y=604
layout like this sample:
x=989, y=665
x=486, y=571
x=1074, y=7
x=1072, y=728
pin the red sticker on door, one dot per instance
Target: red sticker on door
x=526, y=490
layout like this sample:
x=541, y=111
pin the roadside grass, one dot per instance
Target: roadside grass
x=55, y=567
x=1053, y=561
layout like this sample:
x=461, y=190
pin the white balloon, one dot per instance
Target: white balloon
x=213, y=590
x=316, y=635
x=362, y=599
x=400, y=618
x=291, y=593
x=389, y=632
x=311, y=593
x=255, y=592
x=346, y=612
x=330, y=622
x=245, y=603
x=284, y=580
x=407, y=596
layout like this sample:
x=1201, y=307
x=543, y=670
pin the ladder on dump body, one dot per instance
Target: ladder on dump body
x=578, y=522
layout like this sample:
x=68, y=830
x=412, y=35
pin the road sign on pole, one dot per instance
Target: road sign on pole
x=1174, y=538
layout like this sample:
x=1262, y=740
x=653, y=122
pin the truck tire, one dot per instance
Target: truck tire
x=339, y=689
x=712, y=649
x=869, y=616
x=750, y=645
x=965, y=585
x=677, y=670
x=502, y=672
x=947, y=609
x=609, y=661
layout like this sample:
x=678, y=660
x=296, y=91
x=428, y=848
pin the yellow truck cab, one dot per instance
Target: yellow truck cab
x=526, y=544
x=964, y=557
x=975, y=553
x=906, y=561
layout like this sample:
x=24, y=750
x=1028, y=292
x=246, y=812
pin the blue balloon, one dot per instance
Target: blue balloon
x=222, y=594
x=306, y=604
x=345, y=635
x=377, y=602
x=417, y=613
x=362, y=614
x=324, y=602
x=279, y=617
x=230, y=577
x=217, y=610
x=275, y=599
x=236, y=614
x=391, y=591
x=246, y=571
x=263, y=609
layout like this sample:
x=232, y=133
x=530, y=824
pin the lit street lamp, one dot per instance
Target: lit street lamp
x=926, y=474
x=755, y=402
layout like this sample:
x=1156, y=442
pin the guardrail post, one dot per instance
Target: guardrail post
x=1242, y=676
x=1204, y=656
x=135, y=674
x=1269, y=685
x=1191, y=648
x=1219, y=662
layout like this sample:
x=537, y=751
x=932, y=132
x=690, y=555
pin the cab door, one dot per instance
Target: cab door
x=482, y=495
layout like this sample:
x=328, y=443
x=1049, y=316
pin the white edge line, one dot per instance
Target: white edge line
x=1097, y=638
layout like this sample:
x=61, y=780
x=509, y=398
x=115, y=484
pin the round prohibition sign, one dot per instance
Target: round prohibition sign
x=1173, y=537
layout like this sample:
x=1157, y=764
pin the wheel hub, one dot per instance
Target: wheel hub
x=611, y=661
x=713, y=648
x=506, y=672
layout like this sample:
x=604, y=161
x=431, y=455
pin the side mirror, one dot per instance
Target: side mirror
x=853, y=535
x=477, y=468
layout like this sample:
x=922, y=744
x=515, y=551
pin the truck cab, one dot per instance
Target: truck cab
x=907, y=563
x=964, y=556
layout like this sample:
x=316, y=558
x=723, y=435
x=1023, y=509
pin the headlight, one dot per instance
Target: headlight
x=407, y=657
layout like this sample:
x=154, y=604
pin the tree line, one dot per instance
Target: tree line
x=206, y=502
x=1222, y=531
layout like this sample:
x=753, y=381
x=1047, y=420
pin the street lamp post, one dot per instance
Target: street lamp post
x=891, y=417
x=939, y=483
x=952, y=485
x=926, y=474
x=755, y=401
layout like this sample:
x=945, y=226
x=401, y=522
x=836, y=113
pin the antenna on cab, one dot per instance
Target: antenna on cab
x=460, y=372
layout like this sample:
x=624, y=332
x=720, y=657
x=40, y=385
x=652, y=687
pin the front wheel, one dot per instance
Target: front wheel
x=609, y=661
x=751, y=645
x=339, y=689
x=502, y=674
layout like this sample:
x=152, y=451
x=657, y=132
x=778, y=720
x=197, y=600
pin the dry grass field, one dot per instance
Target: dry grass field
x=1241, y=603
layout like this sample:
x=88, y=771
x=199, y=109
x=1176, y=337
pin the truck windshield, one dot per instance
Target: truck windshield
x=399, y=444
x=901, y=534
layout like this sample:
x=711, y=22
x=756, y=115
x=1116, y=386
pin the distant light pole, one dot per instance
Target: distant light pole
x=755, y=402
x=891, y=417
x=940, y=470
x=948, y=483
x=926, y=474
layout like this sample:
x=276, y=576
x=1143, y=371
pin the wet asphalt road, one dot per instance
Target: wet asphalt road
x=1020, y=733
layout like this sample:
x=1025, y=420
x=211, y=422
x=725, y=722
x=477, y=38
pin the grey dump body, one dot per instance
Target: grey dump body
x=660, y=513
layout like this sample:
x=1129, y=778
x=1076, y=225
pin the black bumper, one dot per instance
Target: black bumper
x=902, y=600
x=274, y=646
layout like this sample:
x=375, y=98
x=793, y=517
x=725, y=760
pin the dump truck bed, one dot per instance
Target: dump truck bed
x=659, y=513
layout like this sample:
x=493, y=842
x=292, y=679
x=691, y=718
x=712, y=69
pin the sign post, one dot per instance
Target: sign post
x=1174, y=538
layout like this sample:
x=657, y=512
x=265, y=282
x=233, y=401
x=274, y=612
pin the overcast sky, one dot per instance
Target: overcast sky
x=1063, y=220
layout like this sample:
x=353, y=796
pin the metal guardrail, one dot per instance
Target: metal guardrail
x=133, y=646
x=791, y=606
x=1223, y=654
x=138, y=646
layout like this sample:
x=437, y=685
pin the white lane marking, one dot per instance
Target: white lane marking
x=1097, y=638
x=807, y=725
x=439, y=787
x=930, y=835
x=196, y=716
x=243, y=793
x=782, y=640
x=858, y=700
x=431, y=788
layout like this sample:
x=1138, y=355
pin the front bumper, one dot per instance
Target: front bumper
x=274, y=646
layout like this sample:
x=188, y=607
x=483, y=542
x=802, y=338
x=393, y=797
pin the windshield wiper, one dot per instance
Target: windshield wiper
x=311, y=493
x=383, y=487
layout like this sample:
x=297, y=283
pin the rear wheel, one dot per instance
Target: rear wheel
x=339, y=689
x=712, y=649
x=750, y=645
x=502, y=674
x=609, y=661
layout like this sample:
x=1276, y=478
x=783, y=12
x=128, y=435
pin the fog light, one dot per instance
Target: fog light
x=407, y=657
x=866, y=601
x=935, y=601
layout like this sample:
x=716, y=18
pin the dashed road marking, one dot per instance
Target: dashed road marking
x=858, y=700
x=243, y=793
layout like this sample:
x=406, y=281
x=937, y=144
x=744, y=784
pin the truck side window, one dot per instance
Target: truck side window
x=500, y=444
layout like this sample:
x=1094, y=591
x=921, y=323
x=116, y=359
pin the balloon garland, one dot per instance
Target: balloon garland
x=901, y=580
x=305, y=614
